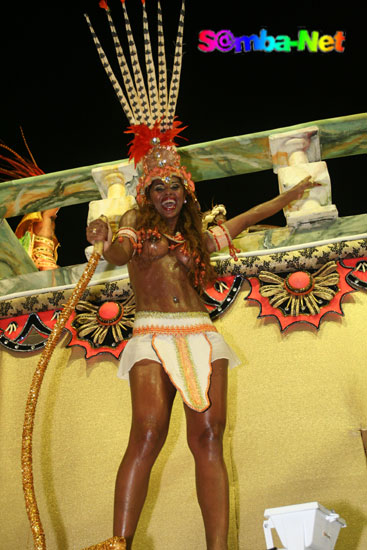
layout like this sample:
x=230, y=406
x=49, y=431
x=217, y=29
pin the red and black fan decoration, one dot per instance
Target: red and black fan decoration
x=301, y=296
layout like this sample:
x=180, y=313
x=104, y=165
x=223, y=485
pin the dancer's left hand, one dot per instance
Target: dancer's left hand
x=298, y=190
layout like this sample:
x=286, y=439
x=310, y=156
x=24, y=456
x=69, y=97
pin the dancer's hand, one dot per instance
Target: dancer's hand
x=99, y=231
x=298, y=190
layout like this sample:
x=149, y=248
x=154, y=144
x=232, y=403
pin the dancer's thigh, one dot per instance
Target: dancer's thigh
x=152, y=392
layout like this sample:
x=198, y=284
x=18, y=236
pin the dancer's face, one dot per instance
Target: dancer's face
x=167, y=197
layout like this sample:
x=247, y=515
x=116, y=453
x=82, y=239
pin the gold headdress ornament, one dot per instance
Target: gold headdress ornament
x=149, y=108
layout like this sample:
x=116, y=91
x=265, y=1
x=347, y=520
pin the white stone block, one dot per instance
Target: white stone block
x=316, y=203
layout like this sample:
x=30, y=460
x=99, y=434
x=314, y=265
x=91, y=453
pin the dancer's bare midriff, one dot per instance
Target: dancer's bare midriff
x=160, y=281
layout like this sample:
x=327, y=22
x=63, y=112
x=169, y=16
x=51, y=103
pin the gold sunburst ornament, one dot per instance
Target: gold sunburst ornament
x=94, y=321
x=300, y=291
x=300, y=295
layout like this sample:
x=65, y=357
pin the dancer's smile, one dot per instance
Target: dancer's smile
x=168, y=196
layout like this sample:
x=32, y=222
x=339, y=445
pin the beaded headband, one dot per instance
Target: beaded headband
x=149, y=107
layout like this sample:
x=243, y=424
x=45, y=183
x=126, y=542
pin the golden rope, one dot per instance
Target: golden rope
x=30, y=411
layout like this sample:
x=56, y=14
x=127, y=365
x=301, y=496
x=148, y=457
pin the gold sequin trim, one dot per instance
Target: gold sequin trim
x=171, y=314
x=39, y=539
x=176, y=330
x=114, y=543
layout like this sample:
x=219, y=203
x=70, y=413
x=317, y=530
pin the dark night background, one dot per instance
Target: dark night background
x=53, y=86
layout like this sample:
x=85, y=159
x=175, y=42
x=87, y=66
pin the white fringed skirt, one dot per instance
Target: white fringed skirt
x=186, y=344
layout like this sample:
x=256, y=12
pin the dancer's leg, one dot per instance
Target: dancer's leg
x=205, y=434
x=152, y=396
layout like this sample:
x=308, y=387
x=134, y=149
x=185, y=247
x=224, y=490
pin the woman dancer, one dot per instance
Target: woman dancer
x=174, y=345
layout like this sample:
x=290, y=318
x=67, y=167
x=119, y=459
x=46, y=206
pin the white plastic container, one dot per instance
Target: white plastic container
x=307, y=526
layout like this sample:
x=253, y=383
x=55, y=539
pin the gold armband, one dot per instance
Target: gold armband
x=44, y=253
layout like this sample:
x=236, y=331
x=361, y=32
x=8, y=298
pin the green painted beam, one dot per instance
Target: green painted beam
x=340, y=137
x=14, y=260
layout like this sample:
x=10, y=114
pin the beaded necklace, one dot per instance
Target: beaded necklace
x=176, y=241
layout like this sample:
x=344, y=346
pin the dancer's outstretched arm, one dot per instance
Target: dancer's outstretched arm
x=262, y=211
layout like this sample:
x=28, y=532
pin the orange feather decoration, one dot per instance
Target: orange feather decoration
x=144, y=138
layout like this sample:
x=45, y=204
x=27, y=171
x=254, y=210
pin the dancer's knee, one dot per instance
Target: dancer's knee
x=147, y=438
x=208, y=442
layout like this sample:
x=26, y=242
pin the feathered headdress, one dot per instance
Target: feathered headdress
x=43, y=250
x=15, y=166
x=149, y=104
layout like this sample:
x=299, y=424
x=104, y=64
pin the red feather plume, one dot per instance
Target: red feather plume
x=103, y=4
x=17, y=167
x=141, y=144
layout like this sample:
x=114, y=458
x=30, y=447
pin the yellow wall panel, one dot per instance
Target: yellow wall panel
x=296, y=407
